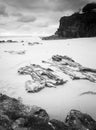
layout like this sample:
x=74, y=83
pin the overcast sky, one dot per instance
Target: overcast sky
x=35, y=17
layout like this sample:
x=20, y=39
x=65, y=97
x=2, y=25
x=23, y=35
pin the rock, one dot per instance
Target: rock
x=29, y=43
x=18, y=123
x=34, y=43
x=2, y=128
x=41, y=78
x=2, y=41
x=16, y=52
x=88, y=93
x=5, y=122
x=65, y=60
x=38, y=115
x=79, y=24
x=33, y=86
x=58, y=125
x=11, y=41
x=22, y=41
x=90, y=7
x=21, y=128
x=80, y=121
x=71, y=68
x=16, y=116
x=59, y=58
x=49, y=77
x=85, y=69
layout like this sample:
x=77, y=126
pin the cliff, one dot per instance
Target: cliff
x=79, y=24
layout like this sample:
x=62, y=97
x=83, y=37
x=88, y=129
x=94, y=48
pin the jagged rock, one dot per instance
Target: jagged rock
x=16, y=116
x=14, y=109
x=65, y=60
x=71, y=68
x=41, y=78
x=49, y=77
x=80, y=121
x=39, y=113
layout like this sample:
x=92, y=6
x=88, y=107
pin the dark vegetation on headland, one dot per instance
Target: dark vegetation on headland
x=79, y=24
x=16, y=116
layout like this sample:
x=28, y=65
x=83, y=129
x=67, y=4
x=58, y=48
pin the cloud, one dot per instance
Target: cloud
x=41, y=5
x=36, y=15
x=3, y=11
x=26, y=19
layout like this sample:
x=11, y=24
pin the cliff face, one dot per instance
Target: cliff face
x=77, y=25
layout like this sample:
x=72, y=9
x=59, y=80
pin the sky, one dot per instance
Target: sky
x=35, y=17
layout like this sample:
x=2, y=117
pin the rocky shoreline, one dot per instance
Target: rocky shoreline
x=14, y=115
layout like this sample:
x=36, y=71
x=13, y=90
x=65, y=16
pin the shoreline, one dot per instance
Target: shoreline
x=63, y=98
x=16, y=115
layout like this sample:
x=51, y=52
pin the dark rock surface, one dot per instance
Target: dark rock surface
x=80, y=121
x=13, y=114
x=90, y=7
x=16, y=116
x=79, y=24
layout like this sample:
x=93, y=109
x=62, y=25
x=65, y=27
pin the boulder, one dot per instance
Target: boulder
x=77, y=120
x=14, y=114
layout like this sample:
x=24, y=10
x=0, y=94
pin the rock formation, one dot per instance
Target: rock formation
x=73, y=69
x=79, y=24
x=50, y=77
x=16, y=116
x=80, y=121
x=41, y=78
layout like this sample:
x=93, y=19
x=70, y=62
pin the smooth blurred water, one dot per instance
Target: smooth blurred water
x=57, y=101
